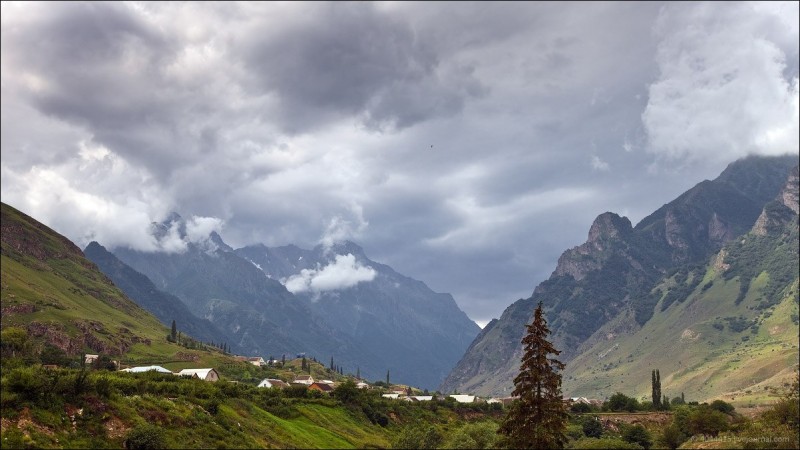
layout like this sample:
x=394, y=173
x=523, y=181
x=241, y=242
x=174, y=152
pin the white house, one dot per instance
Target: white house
x=422, y=398
x=460, y=398
x=141, y=369
x=89, y=359
x=203, y=374
x=271, y=382
x=257, y=361
x=308, y=380
x=362, y=385
x=391, y=396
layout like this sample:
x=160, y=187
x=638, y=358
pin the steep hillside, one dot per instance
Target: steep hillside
x=610, y=278
x=418, y=334
x=732, y=333
x=164, y=306
x=60, y=298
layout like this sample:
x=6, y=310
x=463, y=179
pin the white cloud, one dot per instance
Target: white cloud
x=723, y=91
x=343, y=273
x=198, y=229
x=172, y=242
x=340, y=229
x=599, y=164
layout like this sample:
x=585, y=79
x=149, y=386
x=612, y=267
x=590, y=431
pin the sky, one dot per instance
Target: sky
x=466, y=145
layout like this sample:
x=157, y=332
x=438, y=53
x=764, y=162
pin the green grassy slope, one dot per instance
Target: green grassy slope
x=49, y=289
x=713, y=342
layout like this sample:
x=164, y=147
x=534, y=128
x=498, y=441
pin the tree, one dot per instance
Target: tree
x=538, y=419
x=331, y=363
x=174, y=332
x=387, y=377
x=358, y=373
x=656, y=390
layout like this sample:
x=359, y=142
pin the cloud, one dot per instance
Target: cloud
x=353, y=59
x=599, y=164
x=198, y=229
x=343, y=273
x=171, y=241
x=727, y=85
x=466, y=144
x=340, y=229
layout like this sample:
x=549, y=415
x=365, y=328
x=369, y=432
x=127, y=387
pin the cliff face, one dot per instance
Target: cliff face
x=606, y=231
x=782, y=210
x=613, y=272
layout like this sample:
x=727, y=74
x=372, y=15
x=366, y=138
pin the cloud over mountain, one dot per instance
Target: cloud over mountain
x=454, y=139
x=344, y=272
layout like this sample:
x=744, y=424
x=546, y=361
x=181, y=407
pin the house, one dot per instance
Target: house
x=391, y=396
x=460, y=398
x=322, y=387
x=327, y=382
x=422, y=398
x=142, y=369
x=308, y=380
x=257, y=361
x=271, y=382
x=88, y=359
x=203, y=374
x=506, y=400
x=362, y=385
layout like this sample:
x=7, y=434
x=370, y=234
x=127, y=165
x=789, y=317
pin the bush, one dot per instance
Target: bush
x=705, y=420
x=418, y=437
x=637, y=434
x=722, y=406
x=592, y=428
x=145, y=437
x=621, y=402
x=473, y=435
x=672, y=437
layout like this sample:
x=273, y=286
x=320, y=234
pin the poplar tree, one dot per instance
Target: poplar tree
x=538, y=419
x=174, y=332
x=656, y=389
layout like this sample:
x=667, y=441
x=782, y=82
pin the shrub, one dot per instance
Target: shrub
x=637, y=434
x=722, y=406
x=145, y=437
x=705, y=420
x=672, y=437
x=592, y=428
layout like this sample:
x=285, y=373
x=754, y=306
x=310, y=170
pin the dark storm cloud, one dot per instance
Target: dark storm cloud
x=465, y=145
x=352, y=59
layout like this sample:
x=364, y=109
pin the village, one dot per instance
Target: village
x=397, y=392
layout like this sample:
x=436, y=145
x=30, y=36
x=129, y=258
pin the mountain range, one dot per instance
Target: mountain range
x=628, y=285
x=342, y=305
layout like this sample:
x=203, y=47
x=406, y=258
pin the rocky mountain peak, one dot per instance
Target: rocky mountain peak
x=609, y=226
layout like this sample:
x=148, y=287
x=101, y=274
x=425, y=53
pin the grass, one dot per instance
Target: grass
x=692, y=355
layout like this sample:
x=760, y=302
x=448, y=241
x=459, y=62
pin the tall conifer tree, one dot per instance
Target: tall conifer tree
x=538, y=419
